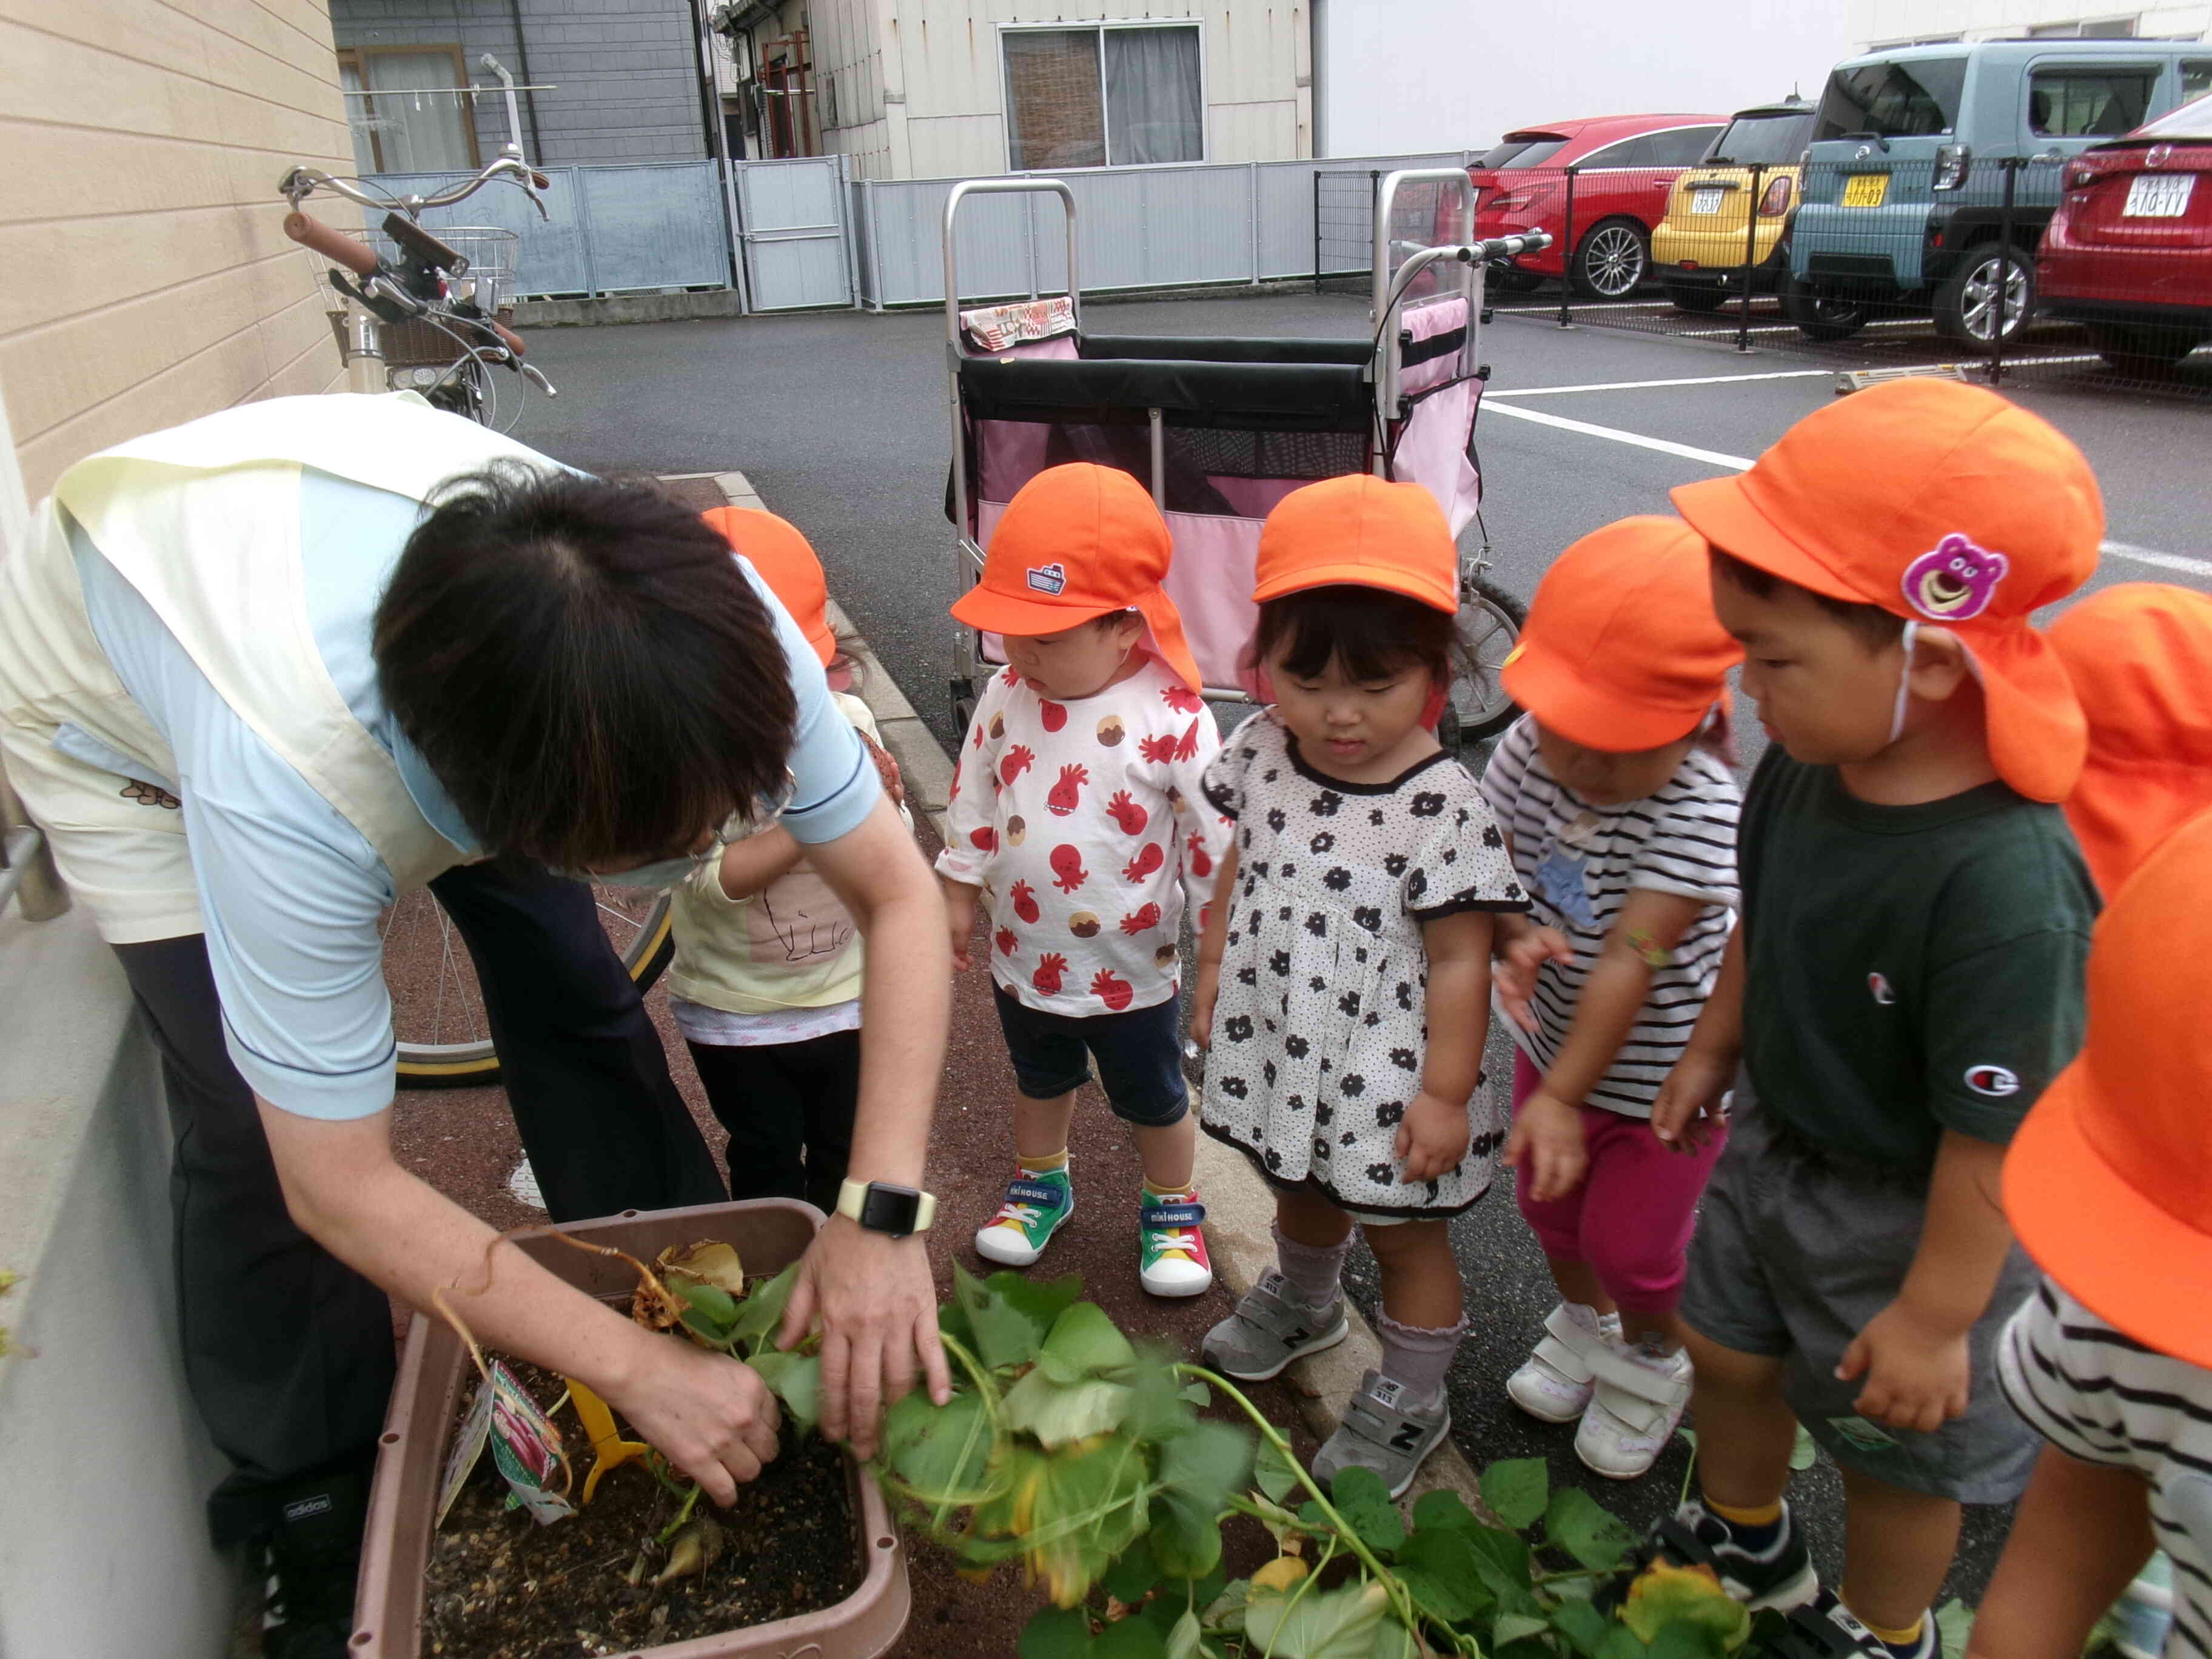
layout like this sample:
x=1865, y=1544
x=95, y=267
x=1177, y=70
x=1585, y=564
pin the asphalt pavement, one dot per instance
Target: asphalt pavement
x=841, y=421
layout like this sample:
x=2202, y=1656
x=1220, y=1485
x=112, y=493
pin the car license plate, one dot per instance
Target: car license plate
x=2158, y=195
x=1706, y=201
x=1865, y=189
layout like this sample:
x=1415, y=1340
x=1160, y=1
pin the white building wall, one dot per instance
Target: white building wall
x=928, y=98
x=1885, y=21
x=1401, y=76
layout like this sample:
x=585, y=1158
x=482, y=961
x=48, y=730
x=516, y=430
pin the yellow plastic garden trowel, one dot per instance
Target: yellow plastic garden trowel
x=609, y=1449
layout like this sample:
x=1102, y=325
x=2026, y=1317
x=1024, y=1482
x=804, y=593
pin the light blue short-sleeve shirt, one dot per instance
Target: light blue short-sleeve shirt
x=290, y=890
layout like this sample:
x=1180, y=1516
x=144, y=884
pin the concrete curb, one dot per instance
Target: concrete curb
x=1240, y=1208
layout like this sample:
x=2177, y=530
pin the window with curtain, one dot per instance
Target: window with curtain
x=1098, y=96
x=409, y=119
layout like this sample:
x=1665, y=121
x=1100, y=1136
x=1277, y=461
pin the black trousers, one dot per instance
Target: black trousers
x=789, y=1109
x=289, y=1351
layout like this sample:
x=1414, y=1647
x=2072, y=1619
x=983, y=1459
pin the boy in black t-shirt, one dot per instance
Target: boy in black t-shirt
x=1907, y=976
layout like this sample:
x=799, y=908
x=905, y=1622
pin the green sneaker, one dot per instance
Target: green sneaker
x=1171, y=1258
x=1035, y=1205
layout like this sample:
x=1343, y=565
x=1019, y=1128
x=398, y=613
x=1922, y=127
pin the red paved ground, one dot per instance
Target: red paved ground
x=463, y=1141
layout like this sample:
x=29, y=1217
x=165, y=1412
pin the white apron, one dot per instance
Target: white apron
x=203, y=521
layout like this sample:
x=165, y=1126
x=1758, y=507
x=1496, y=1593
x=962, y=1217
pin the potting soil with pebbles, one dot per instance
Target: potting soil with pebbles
x=499, y=1586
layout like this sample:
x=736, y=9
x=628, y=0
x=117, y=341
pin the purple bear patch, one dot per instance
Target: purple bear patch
x=1955, y=582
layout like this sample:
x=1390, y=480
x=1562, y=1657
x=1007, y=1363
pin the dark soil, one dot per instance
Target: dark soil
x=501, y=1587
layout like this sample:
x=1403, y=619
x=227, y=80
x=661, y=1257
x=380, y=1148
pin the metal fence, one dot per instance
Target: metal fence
x=2090, y=271
x=1139, y=227
x=608, y=229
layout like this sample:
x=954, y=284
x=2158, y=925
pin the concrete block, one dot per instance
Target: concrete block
x=739, y=489
x=878, y=689
x=923, y=762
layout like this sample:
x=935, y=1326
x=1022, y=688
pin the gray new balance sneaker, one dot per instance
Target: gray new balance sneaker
x=1379, y=1433
x=1269, y=1330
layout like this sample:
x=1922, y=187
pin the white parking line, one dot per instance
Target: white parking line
x=1637, y=386
x=2152, y=556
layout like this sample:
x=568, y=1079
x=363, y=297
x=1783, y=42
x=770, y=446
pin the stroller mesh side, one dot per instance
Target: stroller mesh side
x=1223, y=453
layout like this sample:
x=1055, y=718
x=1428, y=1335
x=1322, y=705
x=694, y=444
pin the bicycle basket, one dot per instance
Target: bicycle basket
x=488, y=282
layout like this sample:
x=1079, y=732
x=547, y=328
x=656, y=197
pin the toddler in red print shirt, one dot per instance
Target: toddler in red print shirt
x=1076, y=817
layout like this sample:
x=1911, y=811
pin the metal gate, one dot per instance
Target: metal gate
x=793, y=229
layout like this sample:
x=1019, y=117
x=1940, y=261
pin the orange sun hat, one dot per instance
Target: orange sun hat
x=2108, y=1183
x=1946, y=505
x=1621, y=650
x=2140, y=658
x=785, y=562
x=1362, y=532
x=1077, y=541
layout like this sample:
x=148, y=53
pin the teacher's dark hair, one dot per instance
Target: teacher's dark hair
x=584, y=666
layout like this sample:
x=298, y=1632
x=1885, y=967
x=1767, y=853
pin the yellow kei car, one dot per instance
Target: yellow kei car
x=1698, y=252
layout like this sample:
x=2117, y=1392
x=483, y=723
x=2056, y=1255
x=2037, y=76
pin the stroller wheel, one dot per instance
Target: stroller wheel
x=1488, y=626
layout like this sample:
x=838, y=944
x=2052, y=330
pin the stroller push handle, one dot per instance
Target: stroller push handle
x=973, y=187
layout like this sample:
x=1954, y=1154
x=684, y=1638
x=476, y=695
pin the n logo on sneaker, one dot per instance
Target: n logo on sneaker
x=1407, y=1438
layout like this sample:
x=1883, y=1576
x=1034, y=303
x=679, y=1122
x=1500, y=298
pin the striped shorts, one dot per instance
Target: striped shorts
x=2106, y=1398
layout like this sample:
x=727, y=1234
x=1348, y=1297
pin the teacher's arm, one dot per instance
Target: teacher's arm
x=872, y=1293
x=710, y=1415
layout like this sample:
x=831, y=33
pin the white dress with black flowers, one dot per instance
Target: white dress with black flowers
x=1320, y=1025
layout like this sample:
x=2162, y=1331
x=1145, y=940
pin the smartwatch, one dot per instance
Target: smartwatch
x=882, y=1208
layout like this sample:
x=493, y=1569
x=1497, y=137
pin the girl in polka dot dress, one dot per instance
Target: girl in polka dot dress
x=1344, y=975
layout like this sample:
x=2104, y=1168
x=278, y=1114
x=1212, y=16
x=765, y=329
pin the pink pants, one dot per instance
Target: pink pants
x=1631, y=1215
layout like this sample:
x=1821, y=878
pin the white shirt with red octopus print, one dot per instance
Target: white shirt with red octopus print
x=1086, y=824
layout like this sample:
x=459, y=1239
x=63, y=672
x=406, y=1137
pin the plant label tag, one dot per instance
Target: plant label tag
x=526, y=1448
x=468, y=1446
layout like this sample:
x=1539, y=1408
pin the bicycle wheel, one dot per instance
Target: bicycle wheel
x=1488, y=626
x=437, y=1012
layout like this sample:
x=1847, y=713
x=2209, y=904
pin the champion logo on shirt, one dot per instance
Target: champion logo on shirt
x=1994, y=1081
x=1879, y=985
x=1047, y=578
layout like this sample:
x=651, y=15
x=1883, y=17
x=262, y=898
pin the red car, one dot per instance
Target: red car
x=2130, y=250
x=1625, y=168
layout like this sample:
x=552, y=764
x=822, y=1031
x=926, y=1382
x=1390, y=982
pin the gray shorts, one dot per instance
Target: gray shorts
x=1794, y=1254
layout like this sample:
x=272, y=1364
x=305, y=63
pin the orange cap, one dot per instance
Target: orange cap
x=786, y=564
x=1362, y=532
x=1945, y=504
x=1077, y=541
x=2140, y=658
x=1621, y=650
x=2109, y=1182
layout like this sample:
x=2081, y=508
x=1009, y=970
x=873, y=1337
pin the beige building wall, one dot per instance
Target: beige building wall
x=144, y=275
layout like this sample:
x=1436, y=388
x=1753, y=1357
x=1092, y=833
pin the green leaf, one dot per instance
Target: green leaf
x=1083, y=1343
x=1440, y=1566
x=759, y=1315
x=1689, y=1642
x=1364, y=1502
x=1515, y=1489
x=1198, y=1393
x=1672, y=1601
x=1056, y=1633
x=1501, y=1558
x=1010, y=1314
x=1574, y=1523
x=1340, y=1624
x=1512, y=1626
x=1280, y=1522
x=938, y=1449
x=1183, y=1639
x=1090, y=1506
x=1582, y=1625
x=1056, y=1414
x=1955, y=1623
x=1198, y=1471
x=1394, y=1641
x=1129, y=1638
x=1226, y=1611
x=1442, y=1511
x=1132, y=1575
x=1802, y=1454
x=1272, y=1473
x=1621, y=1643
x=796, y=1380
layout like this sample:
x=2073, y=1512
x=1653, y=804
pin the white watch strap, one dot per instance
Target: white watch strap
x=853, y=1198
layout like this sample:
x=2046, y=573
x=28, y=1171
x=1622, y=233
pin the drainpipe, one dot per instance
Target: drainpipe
x=522, y=63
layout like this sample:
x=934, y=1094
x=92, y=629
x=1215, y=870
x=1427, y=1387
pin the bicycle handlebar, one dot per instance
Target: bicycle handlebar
x=299, y=183
x=337, y=247
x=507, y=337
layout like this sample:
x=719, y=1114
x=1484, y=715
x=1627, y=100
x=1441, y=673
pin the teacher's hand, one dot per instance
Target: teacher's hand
x=877, y=1309
x=709, y=1415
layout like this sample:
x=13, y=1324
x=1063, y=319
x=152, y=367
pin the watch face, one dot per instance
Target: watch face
x=890, y=1209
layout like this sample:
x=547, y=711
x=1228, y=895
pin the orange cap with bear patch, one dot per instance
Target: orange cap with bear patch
x=1946, y=505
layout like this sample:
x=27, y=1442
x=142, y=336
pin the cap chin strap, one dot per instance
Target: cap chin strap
x=1904, y=684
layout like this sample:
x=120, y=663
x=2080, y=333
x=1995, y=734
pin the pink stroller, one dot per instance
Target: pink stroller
x=1222, y=429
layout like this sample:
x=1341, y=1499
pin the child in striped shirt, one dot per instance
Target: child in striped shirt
x=1616, y=797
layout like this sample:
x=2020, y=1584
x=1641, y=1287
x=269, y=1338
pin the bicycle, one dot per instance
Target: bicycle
x=430, y=313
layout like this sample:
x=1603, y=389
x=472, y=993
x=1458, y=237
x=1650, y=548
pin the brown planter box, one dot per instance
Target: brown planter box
x=769, y=1234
